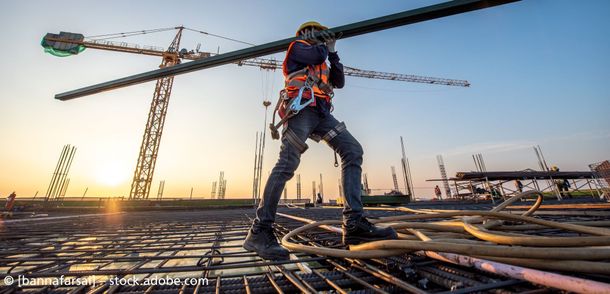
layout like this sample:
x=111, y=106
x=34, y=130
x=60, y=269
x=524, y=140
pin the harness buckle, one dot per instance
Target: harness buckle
x=293, y=107
x=310, y=81
x=296, y=104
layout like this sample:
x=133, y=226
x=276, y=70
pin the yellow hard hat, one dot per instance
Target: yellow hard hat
x=314, y=24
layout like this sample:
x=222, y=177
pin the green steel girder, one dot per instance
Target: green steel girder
x=345, y=31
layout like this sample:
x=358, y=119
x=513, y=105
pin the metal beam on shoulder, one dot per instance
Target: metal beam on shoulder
x=345, y=31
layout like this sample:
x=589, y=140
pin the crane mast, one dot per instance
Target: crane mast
x=149, y=149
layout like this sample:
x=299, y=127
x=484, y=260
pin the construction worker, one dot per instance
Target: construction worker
x=437, y=192
x=306, y=60
x=519, y=186
x=10, y=201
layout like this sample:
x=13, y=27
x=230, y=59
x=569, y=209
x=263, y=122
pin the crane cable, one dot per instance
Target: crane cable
x=267, y=88
x=128, y=34
x=151, y=31
x=472, y=234
x=219, y=36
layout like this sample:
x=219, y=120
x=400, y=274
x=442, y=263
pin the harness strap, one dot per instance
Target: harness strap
x=311, y=79
x=294, y=140
x=336, y=162
x=303, y=71
x=275, y=134
x=334, y=132
x=315, y=137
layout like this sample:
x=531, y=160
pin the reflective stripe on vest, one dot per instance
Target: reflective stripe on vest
x=296, y=80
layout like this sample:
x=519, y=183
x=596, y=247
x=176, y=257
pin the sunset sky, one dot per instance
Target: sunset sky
x=540, y=75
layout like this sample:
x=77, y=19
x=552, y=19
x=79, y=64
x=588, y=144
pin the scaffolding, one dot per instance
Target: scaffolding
x=496, y=184
x=602, y=172
x=162, y=187
x=299, y=187
x=394, y=179
x=441, y=167
x=213, y=193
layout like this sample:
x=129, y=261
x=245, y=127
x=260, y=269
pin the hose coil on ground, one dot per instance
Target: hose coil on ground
x=478, y=234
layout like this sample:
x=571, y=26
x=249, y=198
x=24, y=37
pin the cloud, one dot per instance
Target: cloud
x=498, y=147
x=582, y=136
x=488, y=147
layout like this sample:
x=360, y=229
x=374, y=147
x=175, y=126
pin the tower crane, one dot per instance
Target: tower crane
x=66, y=44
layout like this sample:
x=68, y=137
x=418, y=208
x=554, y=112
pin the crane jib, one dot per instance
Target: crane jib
x=346, y=31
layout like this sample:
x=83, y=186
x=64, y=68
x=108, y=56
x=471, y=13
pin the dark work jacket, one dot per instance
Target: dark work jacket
x=302, y=55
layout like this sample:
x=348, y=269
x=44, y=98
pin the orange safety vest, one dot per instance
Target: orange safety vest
x=294, y=81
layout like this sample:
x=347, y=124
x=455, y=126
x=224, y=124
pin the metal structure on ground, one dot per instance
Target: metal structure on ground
x=222, y=186
x=59, y=181
x=477, y=184
x=479, y=163
x=321, y=187
x=299, y=187
x=365, y=185
x=443, y=171
x=207, y=245
x=545, y=167
x=602, y=170
x=160, y=191
x=313, y=192
x=394, y=179
x=149, y=149
x=213, y=193
x=406, y=171
x=255, y=180
x=259, y=155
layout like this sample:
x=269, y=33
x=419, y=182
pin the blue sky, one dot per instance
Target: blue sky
x=539, y=70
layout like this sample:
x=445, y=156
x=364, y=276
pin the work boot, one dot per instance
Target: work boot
x=361, y=230
x=264, y=243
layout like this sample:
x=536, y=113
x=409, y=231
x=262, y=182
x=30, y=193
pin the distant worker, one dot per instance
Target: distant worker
x=495, y=193
x=305, y=68
x=519, y=186
x=319, y=199
x=437, y=192
x=565, y=186
x=10, y=201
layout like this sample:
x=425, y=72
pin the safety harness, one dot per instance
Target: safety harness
x=288, y=107
x=300, y=90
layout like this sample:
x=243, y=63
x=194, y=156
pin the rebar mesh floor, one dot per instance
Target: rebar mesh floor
x=207, y=245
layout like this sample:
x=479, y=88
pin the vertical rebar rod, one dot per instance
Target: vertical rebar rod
x=394, y=179
x=254, y=181
x=313, y=187
x=54, y=175
x=405, y=169
x=321, y=187
x=298, y=186
x=84, y=193
x=62, y=173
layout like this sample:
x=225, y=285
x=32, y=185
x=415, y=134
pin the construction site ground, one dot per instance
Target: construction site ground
x=207, y=244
